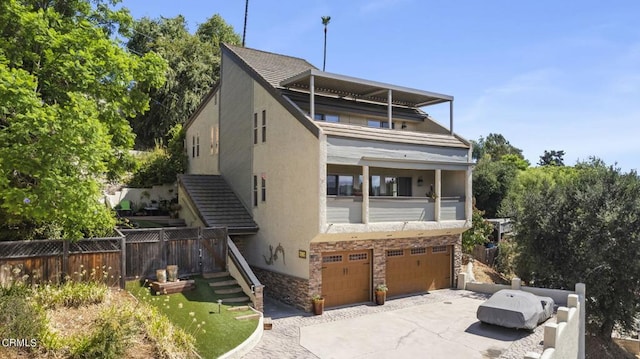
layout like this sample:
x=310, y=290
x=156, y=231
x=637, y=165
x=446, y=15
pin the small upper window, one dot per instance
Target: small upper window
x=255, y=128
x=264, y=125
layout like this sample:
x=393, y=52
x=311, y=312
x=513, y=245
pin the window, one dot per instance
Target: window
x=255, y=128
x=358, y=257
x=440, y=249
x=264, y=125
x=264, y=188
x=415, y=251
x=198, y=145
x=214, y=141
x=390, y=186
x=395, y=253
x=332, y=259
x=332, y=118
x=344, y=185
x=379, y=124
x=255, y=191
x=327, y=118
x=193, y=146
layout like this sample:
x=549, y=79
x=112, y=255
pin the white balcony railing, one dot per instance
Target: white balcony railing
x=452, y=208
x=399, y=209
x=344, y=209
x=348, y=209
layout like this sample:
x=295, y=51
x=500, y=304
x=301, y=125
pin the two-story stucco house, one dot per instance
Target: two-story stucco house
x=329, y=184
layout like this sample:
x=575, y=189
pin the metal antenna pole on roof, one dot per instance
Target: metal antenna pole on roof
x=246, y=13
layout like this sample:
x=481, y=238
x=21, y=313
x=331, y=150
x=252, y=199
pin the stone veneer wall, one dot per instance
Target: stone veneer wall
x=379, y=246
x=287, y=289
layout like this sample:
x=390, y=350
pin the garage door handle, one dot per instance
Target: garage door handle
x=324, y=267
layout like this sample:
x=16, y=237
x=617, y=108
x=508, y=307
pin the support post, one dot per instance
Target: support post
x=468, y=195
x=438, y=187
x=365, y=194
x=312, y=92
x=65, y=260
x=451, y=117
x=123, y=261
x=390, y=108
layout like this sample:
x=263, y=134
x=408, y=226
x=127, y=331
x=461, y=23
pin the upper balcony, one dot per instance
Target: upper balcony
x=339, y=99
x=376, y=195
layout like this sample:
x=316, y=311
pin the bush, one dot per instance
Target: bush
x=506, y=261
x=170, y=341
x=114, y=333
x=20, y=317
x=163, y=164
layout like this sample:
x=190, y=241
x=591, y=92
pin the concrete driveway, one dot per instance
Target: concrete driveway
x=440, y=324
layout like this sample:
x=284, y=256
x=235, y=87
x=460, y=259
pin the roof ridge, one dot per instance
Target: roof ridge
x=233, y=47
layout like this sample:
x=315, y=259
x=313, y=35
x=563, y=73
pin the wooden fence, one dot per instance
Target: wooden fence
x=194, y=250
x=485, y=255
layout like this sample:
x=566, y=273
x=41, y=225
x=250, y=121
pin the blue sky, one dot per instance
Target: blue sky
x=561, y=75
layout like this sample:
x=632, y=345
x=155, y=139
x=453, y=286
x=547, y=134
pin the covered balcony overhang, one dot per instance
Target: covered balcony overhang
x=316, y=81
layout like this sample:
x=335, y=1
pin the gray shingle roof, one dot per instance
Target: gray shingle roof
x=272, y=67
x=217, y=204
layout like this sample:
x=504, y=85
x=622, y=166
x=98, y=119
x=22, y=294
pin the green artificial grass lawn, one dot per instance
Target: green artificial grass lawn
x=219, y=333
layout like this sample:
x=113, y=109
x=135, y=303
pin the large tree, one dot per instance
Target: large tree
x=67, y=90
x=494, y=146
x=552, y=158
x=582, y=225
x=194, y=64
x=498, y=162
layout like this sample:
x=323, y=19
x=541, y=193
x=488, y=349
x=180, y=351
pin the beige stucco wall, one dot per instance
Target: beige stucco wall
x=187, y=210
x=236, y=128
x=288, y=219
x=205, y=127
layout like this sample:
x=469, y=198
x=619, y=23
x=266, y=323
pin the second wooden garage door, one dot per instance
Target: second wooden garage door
x=418, y=269
x=346, y=277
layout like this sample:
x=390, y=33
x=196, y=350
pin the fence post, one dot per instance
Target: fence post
x=163, y=248
x=65, y=260
x=581, y=290
x=123, y=261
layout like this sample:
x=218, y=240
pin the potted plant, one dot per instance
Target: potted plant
x=381, y=293
x=318, y=304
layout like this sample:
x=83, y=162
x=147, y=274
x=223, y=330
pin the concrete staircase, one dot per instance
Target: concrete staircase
x=226, y=288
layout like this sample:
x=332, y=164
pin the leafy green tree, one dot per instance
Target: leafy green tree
x=583, y=225
x=194, y=64
x=491, y=181
x=495, y=146
x=163, y=164
x=479, y=233
x=66, y=91
x=552, y=158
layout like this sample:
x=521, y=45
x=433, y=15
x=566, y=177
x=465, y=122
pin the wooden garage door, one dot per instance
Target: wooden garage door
x=417, y=270
x=346, y=277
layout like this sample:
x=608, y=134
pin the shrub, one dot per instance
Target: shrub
x=170, y=342
x=506, y=261
x=20, y=317
x=113, y=335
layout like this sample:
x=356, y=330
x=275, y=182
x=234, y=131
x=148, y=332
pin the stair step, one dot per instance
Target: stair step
x=240, y=308
x=224, y=283
x=248, y=316
x=228, y=290
x=241, y=299
x=215, y=275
